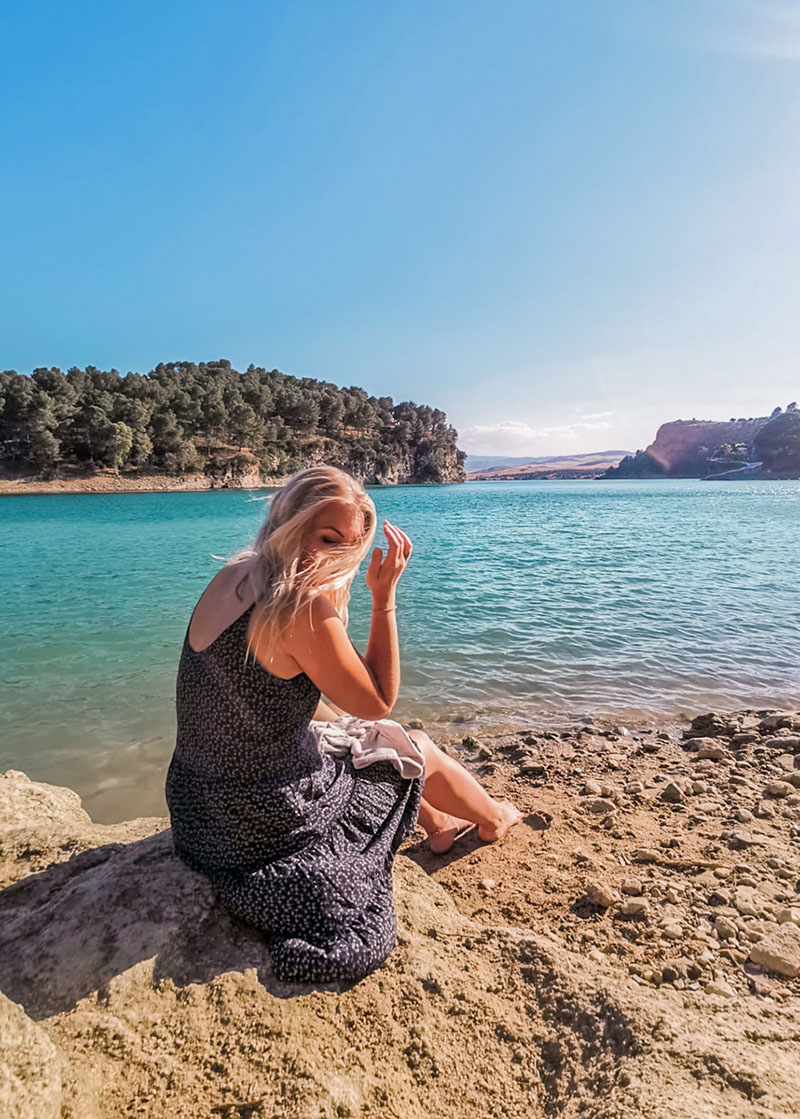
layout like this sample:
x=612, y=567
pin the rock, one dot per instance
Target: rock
x=779, y=950
x=672, y=794
x=706, y=878
x=709, y=806
x=488, y=884
x=672, y=931
x=787, y=744
x=707, y=768
x=779, y=789
x=484, y=752
x=710, y=748
x=740, y=839
x=770, y=890
x=30, y=1067
x=645, y=855
x=416, y=724
x=764, y=985
x=599, y=804
x=788, y=914
x=744, y=815
x=530, y=767
x=632, y=886
x=634, y=788
x=743, y=901
x=675, y=969
x=738, y=780
x=719, y=987
x=598, y=893
x=710, y=724
x=725, y=928
x=779, y=720
x=635, y=907
x=590, y=788
x=745, y=738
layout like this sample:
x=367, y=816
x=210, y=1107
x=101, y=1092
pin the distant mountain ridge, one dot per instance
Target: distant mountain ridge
x=495, y=462
x=496, y=468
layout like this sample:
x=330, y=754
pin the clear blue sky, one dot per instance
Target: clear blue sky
x=561, y=222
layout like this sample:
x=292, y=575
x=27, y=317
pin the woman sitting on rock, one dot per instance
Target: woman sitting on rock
x=294, y=839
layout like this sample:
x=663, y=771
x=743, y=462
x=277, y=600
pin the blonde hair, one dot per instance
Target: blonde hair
x=281, y=587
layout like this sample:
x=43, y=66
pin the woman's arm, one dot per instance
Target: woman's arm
x=367, y=686
x=326, y=712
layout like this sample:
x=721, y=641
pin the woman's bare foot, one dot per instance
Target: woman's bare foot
x=446, y=833
x=507, y=815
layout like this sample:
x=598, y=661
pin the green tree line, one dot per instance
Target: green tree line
x=209, y=418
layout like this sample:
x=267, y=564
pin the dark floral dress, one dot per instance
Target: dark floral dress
x=293, y=840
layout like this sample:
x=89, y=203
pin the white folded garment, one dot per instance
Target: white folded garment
x=381, y=740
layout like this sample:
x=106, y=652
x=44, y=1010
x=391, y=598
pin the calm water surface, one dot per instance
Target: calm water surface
x=521, y=599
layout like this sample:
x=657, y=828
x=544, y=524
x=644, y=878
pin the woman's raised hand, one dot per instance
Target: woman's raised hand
x=383, y=574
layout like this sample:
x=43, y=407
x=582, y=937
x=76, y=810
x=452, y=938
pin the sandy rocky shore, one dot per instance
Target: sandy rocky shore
x=632, y=948
x=108, y=481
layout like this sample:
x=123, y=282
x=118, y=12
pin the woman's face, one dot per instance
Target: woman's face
x=333, y=525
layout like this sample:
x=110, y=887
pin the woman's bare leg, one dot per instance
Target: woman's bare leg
x=442, y=829
x=452, y=789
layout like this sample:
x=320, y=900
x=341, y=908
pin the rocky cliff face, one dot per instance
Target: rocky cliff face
x=693, y=449
x=684, y=445
x=422, y=465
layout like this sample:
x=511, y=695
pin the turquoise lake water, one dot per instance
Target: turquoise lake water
x=521, y=599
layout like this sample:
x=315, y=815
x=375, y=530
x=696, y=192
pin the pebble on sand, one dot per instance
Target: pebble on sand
x=632, y=886
x=779, y=789
x=635, y=907
x=725, y=929
x=719, y=987
x=711, y=749
x=645, y=855
x=779, y=950
x=600, y=894
x=599, y=804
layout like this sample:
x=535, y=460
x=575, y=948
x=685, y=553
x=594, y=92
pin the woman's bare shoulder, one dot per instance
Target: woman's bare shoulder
x=310, y=613
x=219, y=605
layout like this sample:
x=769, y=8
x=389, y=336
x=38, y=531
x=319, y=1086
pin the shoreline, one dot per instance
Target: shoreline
x=111, y=483
x=160, y=483
x=113, y=789
x=167, y=483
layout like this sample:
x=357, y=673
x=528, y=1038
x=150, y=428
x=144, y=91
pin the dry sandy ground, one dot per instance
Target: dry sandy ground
x=632, y=948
